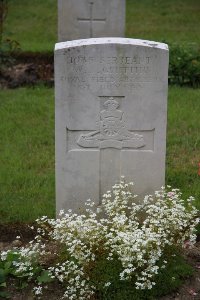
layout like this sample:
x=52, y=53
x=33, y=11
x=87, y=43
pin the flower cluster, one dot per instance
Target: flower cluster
x=135, y=233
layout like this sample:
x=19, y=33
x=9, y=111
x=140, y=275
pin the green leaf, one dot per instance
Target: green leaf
x=7, y=265
x=2, y=276
x=12, y=256
x=44, y=277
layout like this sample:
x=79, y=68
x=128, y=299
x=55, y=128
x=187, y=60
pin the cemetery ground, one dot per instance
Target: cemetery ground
x=27, y=167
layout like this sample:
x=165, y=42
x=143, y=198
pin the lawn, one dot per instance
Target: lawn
x=183, y=141
x=34, y=23
x=27, y=154
x=164, y=20
x=27, y=150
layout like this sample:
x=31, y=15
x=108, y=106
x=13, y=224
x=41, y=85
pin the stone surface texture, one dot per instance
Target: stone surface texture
x=80, y=19
x=111, y=110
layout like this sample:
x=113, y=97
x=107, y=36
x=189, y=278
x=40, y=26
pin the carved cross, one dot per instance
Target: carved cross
x=91, y=20
x=112, y=137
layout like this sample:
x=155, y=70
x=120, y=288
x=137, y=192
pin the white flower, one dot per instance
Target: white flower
x=137, y=234
x=107, y=284
x=61, y=212
x=37, y=290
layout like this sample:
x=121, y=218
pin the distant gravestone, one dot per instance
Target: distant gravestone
x=79, y=19
x=111, y=108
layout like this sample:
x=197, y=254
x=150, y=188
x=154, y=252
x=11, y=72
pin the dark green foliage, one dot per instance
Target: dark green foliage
x=7, y=49
x=173, y=276
x=184, y=65
x=105, y=271
x=44, y=277
x=8, y=270
x=167, y=280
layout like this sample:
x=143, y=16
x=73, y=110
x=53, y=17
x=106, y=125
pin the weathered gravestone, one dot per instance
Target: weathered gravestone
x=111, y=108
x=78, y=19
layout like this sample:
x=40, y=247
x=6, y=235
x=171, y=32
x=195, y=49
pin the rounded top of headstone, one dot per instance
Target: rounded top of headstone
x=110, y=40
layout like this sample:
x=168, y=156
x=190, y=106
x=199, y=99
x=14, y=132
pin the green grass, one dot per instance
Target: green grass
x=27, y=150
x=34, y=23
x=27, y=154
x=183, y=141
x=170, y=20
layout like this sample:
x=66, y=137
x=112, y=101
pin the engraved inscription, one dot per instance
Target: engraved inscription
x=121, y=60
x=89, y=22
x=109, y=72
x=113, y=132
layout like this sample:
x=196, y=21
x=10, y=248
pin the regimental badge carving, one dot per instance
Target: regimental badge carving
x=113, y=132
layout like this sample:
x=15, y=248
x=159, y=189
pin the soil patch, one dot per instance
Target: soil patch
x=27, y=69
x=9, y=232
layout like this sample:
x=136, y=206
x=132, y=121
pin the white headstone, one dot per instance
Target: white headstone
x=111, y=109
x=79, y=19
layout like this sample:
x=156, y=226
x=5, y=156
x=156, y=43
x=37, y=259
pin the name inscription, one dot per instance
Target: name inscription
x=86, y=72
x=109, y=60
